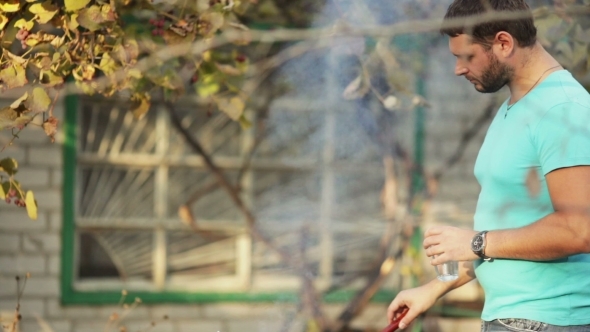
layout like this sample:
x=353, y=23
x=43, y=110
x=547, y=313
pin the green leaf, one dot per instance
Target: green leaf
x=75, y=5
x=13, y=76
x=31, y=205
x=9, y=166
x=45, y=11
x=39, y=101
x=90, y=18
x=9, y=6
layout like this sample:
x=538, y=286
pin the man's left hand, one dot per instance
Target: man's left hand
x=449, y=244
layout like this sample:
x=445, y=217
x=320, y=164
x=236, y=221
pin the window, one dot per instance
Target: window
x=125, y=180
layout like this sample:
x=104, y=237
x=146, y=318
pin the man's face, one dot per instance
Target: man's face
x=480, y=66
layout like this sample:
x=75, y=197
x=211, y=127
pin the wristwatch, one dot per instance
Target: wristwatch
x=478, y=245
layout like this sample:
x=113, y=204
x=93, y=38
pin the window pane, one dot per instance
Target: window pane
x=292, y=134
x=203, y=255
x=107, y=127
x=116, y=192
x=218, y=134
x=286, y=197
x=116, y=253
x=213, y=204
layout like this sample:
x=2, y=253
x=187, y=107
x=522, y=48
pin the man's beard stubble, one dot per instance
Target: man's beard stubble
x=495, y=76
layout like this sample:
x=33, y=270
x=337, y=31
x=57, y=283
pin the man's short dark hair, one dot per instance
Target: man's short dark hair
x=522, y=29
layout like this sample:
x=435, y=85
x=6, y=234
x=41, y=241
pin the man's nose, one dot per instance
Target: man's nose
x=460, y=70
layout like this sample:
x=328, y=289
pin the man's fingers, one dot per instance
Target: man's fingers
x=433, y=231
x=409, y=318
x=430, y=241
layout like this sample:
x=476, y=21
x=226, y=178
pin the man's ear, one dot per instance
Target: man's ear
x=504, y=44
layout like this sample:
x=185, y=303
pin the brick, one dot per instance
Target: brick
x=34, y=135
x=7, y=286
x=32, y=178
x=21, y=264
x=15, y=152
x=176, y=311
x=253, y=325
x=45, y=156
x=17, y=219
x=42, y=325
x=55, y=310
x=57, y=178
x=146, y=325
x=205, y=326
x=28, y=307
x=9, y=243
x=53, y=267
x=47, y=243
x=48, y=199
x=55, y=221
x=42, y=286
x=241, y=310
x=90, y=326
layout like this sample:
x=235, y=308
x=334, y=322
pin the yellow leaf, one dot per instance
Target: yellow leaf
x=234, y=107
x=19, y=101
x=31, y=205
x=9, y=6
x=107, y=64
x=49, y=78
x=75, y=5
x=39, y=101
x=24, y=24
x=73, y=22
x=90, y=18
x=3, y=21
x=44, y=11
x=2, y=193
x=13, y=76
x=142, y=105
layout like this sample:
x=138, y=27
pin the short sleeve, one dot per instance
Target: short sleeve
x=562, y=137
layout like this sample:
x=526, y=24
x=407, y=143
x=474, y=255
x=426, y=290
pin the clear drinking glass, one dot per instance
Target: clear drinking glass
x=448, y=271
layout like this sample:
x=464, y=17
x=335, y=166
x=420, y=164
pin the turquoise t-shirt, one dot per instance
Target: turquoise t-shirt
x=547, y=129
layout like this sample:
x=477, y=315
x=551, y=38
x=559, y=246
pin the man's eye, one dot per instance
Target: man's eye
x=470, y=57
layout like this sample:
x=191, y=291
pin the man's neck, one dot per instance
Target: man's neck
x=533, y=66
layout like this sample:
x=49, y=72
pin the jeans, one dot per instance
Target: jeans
x=526, y=325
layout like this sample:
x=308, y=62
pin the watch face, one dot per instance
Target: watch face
x=477, y=243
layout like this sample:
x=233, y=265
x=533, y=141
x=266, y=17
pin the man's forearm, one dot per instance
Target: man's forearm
x=556, y=236
x=466, y=274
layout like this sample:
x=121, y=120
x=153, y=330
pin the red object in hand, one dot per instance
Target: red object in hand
x=395, y=323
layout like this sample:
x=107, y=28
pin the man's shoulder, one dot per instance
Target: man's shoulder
x=567, y=90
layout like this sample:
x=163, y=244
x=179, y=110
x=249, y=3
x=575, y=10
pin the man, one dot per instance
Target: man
x=530, y=246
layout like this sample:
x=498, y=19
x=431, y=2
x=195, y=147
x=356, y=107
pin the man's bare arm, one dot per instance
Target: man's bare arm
x=563, y=233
